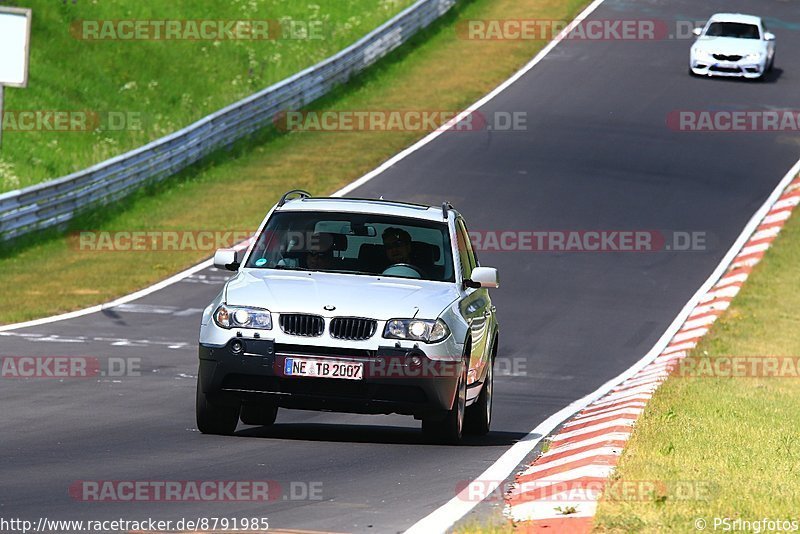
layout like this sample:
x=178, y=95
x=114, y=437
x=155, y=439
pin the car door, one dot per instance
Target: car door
x=475, y=306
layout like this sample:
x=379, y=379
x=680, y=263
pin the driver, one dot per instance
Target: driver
x=319, y=256
x=397, y=244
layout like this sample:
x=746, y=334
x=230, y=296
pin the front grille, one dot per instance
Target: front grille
x=353, y=328
x=313, y=350
x=723, y=57
x=732, y=70
x=300, y=324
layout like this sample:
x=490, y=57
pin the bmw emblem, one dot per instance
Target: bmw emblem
x=328, y=307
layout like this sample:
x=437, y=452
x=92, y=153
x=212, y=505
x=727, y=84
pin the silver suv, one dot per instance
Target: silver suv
x=351, y=305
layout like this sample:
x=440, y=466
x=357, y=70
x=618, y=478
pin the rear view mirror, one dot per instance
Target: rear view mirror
x=226, y=258
x=697, y=31
x=769, y=36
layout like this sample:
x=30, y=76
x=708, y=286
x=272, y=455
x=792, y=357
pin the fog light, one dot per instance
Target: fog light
x=237, y=347
x=415, y=361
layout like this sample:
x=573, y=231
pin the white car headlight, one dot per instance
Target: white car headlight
x=242, y=317
x=416, y=330
x=702, y=55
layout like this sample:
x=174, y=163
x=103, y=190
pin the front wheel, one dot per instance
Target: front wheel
x=478, y=417
x=214, y=418
x=448, y=430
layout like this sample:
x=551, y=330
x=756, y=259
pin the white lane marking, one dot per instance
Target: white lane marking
x=584, y=471
x=113, y=341
x=562, y=436
x=592, y=453
x=122, y=300
x=691, y=334
x=156, y=309
x=766, y=233
x=209, y=279
x=680, y=347
x=446, y=515
x=633, y=405
x=761, y=247
x=703, y=321
x=777, y=217
x=611, y=413
x=786, y=203
x=605, y=438
x=584, y=503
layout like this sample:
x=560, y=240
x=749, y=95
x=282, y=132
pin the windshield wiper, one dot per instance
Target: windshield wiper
x=288, y=268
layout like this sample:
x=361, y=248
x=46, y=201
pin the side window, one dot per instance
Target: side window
x=465, y=253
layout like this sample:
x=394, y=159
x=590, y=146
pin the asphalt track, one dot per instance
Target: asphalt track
x=596, y=155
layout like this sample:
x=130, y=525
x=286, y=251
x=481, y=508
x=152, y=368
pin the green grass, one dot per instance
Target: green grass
x=736, y=437
x=163, y=84
x=233, y=190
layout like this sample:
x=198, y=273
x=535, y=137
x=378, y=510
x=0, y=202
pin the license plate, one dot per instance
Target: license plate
x=323, y=368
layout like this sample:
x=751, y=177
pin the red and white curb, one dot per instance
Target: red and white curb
x=560, y=490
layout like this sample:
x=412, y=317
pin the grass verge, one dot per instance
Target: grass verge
x=123, y=93
x=730, y=444
x=233, y=190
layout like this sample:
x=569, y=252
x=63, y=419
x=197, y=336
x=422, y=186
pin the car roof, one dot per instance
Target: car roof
x=735, y=17
x=364, y=205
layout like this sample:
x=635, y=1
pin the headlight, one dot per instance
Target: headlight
x=753, y=57
x=242, y=317
x=703, y=55
x=416, y=329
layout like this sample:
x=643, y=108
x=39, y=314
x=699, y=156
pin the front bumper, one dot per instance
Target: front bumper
x=392, y=383
x=739, y=69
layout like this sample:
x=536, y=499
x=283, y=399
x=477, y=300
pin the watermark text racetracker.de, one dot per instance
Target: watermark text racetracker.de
x=701, y=366
x=156, y=240
x=65, y=367
x=529, y=240
x=137, y=491
x=586, y=30
x=393, y=120
x=741, y=120
x=587, y=241
x=549, y=490
x=45, y=525
x=285, y=28
x=64, y=121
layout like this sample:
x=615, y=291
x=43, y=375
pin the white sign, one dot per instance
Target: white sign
x=15, y=31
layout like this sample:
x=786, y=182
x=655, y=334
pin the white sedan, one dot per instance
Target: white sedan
x=732, y=44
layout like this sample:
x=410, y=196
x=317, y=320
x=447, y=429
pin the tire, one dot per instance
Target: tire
x=478, y=417
x=449, y=429
x=214, y=418
x=258, y=414
x=771, y=63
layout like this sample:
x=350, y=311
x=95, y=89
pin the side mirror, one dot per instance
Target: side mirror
x=483, y=277
x=226, y=258
x=768, y=36
x=697, y=31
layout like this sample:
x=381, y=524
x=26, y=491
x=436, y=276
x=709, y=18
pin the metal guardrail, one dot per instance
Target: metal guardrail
x=57, y=201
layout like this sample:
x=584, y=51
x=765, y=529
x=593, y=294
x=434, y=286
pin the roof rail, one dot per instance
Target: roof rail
x=445, y=207
x=299, y=192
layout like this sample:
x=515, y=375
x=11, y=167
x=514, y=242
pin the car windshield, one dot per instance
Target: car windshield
x=355, y=243
x=733, y=29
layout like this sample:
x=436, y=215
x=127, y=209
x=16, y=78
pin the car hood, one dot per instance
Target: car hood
x=374, y=297
x=729, y=45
